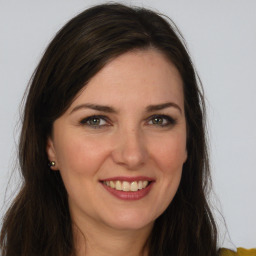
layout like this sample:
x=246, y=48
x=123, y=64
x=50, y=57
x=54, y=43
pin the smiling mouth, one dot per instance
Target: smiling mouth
x=126, y=185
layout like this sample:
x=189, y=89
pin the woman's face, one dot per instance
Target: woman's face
x=121, y=145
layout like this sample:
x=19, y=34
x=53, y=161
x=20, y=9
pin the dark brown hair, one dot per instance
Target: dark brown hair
x=38, y=221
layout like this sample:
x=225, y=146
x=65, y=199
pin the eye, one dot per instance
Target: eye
x=95, y=121
x=161, y=120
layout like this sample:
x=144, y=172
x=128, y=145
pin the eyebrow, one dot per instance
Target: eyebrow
x=108, y=109
x=152, y=108
x=102, y=108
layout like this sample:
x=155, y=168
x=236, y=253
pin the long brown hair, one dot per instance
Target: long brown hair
x=38, y=221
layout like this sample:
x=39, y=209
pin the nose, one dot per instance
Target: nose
x=130, y=149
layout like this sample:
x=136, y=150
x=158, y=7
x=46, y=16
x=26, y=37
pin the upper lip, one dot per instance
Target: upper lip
x=129, y=179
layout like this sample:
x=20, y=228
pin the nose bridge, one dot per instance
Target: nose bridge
x=130, y=147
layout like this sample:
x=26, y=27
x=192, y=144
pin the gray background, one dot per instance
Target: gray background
x=221, y=37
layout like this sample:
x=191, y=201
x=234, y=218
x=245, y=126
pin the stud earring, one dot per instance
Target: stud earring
x=52, y=163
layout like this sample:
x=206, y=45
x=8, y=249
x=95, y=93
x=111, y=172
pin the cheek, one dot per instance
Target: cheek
x=169, y=157
x=79, y=155
x=171, y=154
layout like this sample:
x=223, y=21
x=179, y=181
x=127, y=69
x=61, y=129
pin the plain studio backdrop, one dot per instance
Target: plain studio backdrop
x=221, y=38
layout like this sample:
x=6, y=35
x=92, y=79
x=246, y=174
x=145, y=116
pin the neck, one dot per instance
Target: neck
x=102, y=240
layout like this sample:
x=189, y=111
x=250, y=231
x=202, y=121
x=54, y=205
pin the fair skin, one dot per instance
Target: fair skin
x=128, y=127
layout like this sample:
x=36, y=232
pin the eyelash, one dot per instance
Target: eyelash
x=169, y=121
x=89, y=118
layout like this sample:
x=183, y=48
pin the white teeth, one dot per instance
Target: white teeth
x=112, y=184
x=118, y=185
x=144, y=183
x=127, y=186
x=134, y=186
x=140, y=184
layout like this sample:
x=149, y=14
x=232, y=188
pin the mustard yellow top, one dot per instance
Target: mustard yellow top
x=240, y=252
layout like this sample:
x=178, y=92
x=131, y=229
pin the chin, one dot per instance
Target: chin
x=130, y=221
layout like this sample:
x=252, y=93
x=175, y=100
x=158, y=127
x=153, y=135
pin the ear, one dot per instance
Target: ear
x=50, y=150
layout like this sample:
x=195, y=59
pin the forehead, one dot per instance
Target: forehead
x=136, y=77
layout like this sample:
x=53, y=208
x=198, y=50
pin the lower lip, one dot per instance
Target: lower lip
x=130, y=195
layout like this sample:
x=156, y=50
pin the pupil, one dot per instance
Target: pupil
x=157, y=120
x=95, y=121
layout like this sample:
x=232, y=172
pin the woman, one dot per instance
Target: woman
x=113, y=149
